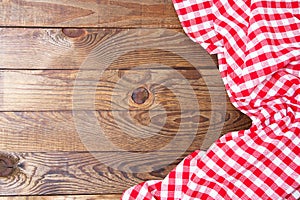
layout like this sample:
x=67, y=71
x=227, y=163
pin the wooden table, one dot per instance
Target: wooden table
x=45, y=45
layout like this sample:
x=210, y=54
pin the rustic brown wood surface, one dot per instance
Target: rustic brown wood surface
x=56, y=131
x=78, y=173
x=50, y=58
x=52, y=90
x=88, y=13
x=38, y=48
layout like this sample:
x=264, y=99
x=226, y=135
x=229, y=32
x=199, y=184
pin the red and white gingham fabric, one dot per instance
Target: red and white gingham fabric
x=258, y=47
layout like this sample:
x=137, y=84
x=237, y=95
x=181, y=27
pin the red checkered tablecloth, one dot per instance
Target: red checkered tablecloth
x=258, y=47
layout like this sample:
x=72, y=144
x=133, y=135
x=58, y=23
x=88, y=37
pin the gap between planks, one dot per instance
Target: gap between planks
x=52, y=89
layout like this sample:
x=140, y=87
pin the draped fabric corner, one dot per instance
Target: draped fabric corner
x=258, y=47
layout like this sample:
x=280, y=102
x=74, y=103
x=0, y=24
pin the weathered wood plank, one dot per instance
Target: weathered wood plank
x=56, y=131
x=88, y=13
x=52, y=90
x=68, y=48
x=60, y=173
x=66, y=197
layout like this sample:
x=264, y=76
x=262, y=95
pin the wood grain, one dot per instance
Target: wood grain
x=88, y=13
x=53, y=49
x=70, y=173
x=56, y=131
x=53, y=90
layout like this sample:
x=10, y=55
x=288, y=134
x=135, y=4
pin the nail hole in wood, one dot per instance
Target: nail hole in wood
x=140, y=95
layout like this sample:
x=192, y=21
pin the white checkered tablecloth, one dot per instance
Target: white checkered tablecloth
x=258, y=47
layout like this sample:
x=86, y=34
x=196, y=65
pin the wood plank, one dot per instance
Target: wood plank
x=53, y=90
x=68, y=48
x=88, y=13
x=39, y=48
x=56, y=131
x=71, y=173
x=65, y=197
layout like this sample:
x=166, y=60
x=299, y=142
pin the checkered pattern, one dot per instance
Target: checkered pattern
x=258, y=47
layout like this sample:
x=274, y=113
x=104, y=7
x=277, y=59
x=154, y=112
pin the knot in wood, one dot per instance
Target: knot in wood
x=6, y=166
x=140, y=95
x=74, y=33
